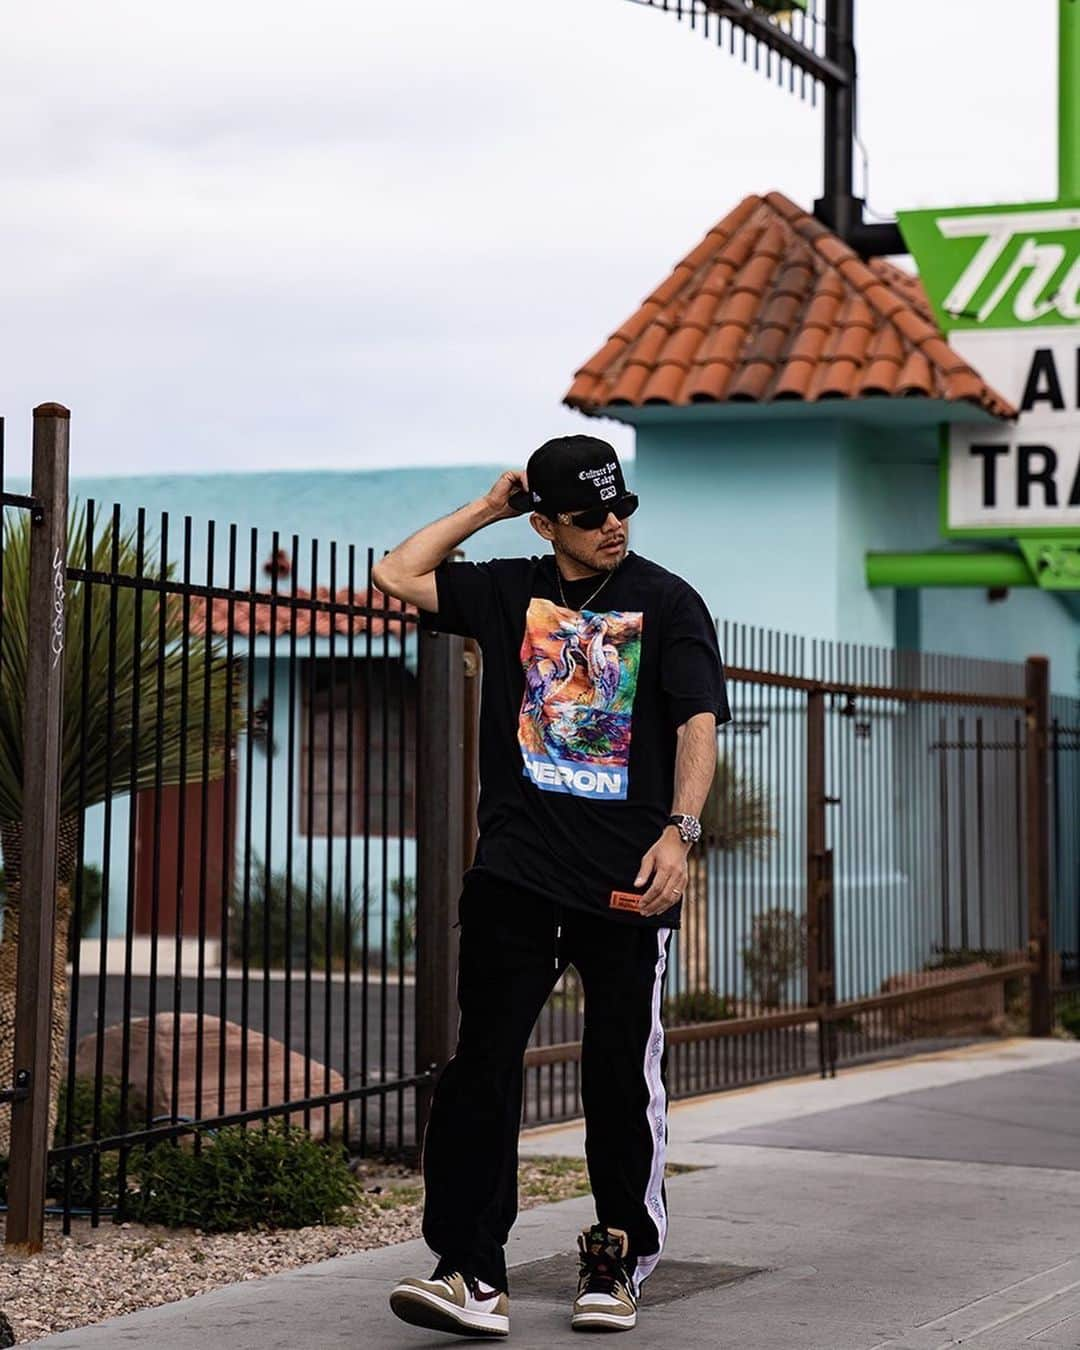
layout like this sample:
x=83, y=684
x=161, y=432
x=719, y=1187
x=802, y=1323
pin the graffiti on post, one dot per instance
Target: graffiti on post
x=58, y=606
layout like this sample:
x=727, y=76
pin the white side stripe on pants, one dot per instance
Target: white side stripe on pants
x=657, y=1112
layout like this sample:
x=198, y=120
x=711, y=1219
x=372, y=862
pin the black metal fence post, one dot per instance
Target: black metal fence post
x=1038, y=845
x=40, y=797
x=826, y=910
x=440, y=831
x=815, y=851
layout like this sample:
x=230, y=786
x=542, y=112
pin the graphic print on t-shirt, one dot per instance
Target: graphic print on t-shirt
x=581, y=672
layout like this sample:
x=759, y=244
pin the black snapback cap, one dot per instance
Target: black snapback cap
x=571, y=473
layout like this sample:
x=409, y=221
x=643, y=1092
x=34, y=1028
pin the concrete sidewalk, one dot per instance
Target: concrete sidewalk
x=911, y=1205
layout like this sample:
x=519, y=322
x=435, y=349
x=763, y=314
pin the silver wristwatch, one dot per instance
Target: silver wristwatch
x=689, y=828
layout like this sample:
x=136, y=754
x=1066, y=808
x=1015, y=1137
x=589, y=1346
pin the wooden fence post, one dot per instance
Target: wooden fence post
x=1038, y=845
x=441, y=808
x=43, y=714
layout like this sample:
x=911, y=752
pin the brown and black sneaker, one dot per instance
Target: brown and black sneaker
x=605, y=1299
x=452, y=1301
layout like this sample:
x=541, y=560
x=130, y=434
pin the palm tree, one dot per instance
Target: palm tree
x=736, y=815
x=123, y=646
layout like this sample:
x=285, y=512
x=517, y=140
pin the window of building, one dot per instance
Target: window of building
x=382, y=747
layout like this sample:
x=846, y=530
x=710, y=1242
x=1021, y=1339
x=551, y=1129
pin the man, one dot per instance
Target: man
x=602, y=690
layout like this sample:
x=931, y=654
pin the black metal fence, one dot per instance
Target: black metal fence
x=863, y=882
x=267, y=797
x=1065, y=848
x=787, y=43
x=242, y=792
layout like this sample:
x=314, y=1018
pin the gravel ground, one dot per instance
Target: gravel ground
x=104, y=1272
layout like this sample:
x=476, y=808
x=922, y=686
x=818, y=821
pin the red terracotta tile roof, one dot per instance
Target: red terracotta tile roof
x=248, y=620
x=772, y=305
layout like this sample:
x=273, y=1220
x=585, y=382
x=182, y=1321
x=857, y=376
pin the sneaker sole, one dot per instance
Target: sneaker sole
x=420, y=1309
x=599, y=1321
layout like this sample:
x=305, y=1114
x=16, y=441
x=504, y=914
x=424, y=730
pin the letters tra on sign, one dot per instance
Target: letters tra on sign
x=1005, y=285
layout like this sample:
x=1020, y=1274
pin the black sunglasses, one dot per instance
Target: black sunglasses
x=596, y=515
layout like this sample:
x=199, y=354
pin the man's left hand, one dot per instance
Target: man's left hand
x=665, y=863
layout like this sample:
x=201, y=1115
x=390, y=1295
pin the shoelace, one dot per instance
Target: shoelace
x=444, y=1271
x=600, y=1274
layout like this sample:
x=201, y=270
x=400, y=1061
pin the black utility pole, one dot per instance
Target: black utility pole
x=836, y=72
x=838, y=207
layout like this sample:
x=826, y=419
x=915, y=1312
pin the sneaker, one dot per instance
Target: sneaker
x=452, y=1302
x=605, y=1300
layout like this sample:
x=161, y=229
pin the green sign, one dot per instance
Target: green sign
x=1004, y=282
x=999, y=266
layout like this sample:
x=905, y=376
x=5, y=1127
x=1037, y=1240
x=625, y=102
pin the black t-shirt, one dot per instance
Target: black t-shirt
x=578, y=717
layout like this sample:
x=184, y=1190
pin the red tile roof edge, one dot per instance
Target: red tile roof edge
x=771, y=305
x=311, y=611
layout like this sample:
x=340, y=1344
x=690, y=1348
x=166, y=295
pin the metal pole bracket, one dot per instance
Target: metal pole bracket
x=20, y=1091
x=32, y=504
x=1054, y=563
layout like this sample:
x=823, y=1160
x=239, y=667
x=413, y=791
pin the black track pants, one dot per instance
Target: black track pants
x=470, y=1152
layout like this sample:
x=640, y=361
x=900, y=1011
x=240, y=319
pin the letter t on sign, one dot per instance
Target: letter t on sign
x=989, y=454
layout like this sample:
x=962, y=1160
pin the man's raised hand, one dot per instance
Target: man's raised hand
x=498, y=497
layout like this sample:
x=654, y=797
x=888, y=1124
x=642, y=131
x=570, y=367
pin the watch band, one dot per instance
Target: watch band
x=689, y=827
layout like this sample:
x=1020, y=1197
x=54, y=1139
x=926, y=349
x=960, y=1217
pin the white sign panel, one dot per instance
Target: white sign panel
x=1026, y=474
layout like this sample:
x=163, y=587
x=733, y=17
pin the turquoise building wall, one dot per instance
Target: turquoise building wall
x=771, y=515
x=747, y=516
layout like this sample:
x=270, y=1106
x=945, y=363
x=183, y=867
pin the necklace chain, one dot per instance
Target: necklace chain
x=562, y=593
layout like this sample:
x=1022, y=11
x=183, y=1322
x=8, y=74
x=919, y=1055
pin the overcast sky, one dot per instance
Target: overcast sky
x=353, y=233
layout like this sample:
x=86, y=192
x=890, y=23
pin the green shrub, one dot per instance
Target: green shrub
x=698, y=1005
x=1069, y=1017
x=81, y=1192
x=948, y=958
x=81, y=1167
x=277, y=1177
x=271, y=899
x=403, y=943
x=737, y=813
x=81, y=1189
x=776, y=950
x=82, y=1110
